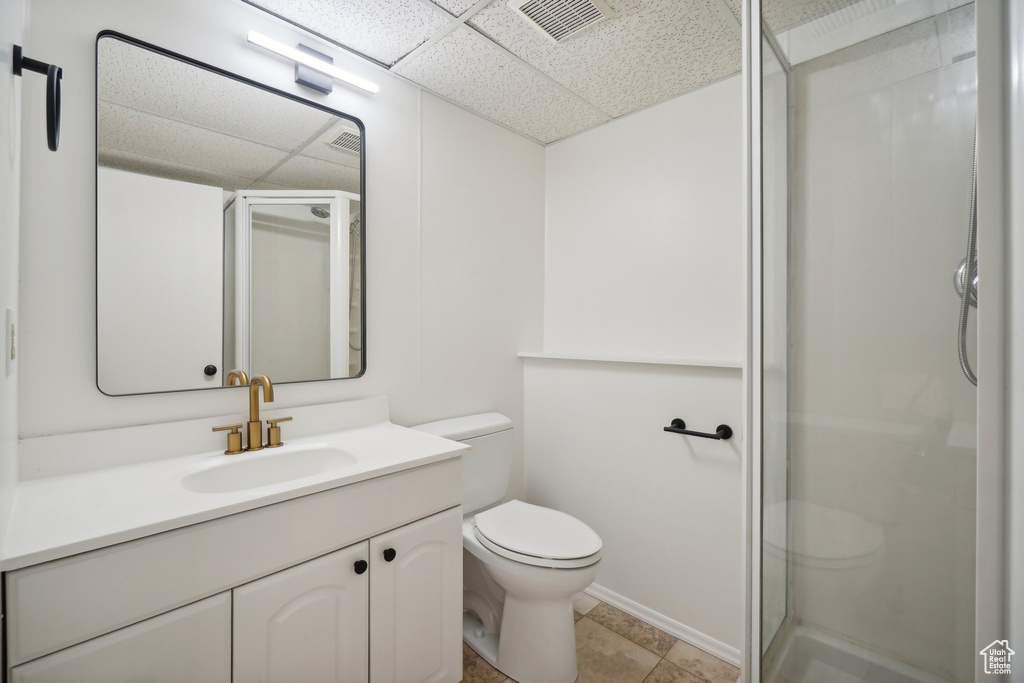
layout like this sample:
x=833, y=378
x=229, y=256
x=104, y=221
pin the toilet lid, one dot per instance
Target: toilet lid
x=537, y=531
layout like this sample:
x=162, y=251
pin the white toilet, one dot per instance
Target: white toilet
x=522, y=563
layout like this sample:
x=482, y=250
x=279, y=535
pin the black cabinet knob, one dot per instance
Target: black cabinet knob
x=360, y=566
x=210, y=370
x=389, y=554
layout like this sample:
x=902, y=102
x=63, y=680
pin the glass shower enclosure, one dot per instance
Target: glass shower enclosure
x=867, y=468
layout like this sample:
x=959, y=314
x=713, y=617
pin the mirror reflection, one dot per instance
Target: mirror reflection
x=229, y=229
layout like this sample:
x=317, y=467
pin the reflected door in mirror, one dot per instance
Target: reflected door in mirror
x=290, y=256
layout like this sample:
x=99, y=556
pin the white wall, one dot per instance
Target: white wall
x=12, y=24
x=667, y=507
x=481, y=265
x=644, y=258
x=642, y=250
x=58, y=392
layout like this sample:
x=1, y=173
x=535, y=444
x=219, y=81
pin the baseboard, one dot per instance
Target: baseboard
x=670, y=626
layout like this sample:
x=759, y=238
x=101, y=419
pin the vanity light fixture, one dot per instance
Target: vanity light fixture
x=301, y=56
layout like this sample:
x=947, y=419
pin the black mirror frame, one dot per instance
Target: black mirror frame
x=256, y=84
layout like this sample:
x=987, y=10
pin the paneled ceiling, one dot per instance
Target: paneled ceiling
x=160, y=116
x=484, y=56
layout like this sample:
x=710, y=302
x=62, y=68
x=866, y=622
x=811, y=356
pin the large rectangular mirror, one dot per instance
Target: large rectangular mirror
x=229, y=231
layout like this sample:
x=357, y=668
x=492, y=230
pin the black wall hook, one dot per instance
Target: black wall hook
x=53, y=77
x=722, y=433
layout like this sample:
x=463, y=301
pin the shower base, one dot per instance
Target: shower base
x=810, y=656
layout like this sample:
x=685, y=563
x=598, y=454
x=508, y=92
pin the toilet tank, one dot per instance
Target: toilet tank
x=486, y=467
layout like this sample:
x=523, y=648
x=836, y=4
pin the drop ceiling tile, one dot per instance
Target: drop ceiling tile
x=382, y=29
x=868, y=66
x=320, y=149
x=455, y=7
x=129, y=130
x=650, y=51
x=136, y=163
x=138, y=78
x=962, y=30
x=869, y=19
x=264, y=185
x=470, y=70
x=306, y=173
x=785, y=14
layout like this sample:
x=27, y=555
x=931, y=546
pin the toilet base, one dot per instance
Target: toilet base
x=483, y=643
x=518, y=617
x=538, y=641
x=541, y=644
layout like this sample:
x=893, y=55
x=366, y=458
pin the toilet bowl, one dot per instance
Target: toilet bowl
x=522, y=563
x=835, y=559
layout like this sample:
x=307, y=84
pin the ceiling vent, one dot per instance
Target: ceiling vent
x=561, y=19
x=346, y=137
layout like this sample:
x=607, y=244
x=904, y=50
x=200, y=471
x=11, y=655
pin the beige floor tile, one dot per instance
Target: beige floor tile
x=576, y=616
x=604, y=656
x=583, y=603
x=667, y=672
x=476, y=670
x=695, y=660
x=640, y=632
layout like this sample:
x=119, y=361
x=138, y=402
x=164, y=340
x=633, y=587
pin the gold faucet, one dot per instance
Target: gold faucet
x=254, y=427
x=237, y=377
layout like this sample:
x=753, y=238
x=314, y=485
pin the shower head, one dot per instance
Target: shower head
x=319, y=213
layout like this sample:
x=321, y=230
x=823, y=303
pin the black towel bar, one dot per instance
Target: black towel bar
x=722, y=433
x=53, y=75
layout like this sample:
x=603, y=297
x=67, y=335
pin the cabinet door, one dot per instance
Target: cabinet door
x=308, y=623
x=191, y=643
x=416, y=602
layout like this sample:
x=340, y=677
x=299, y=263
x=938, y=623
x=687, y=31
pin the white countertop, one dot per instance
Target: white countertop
x=58, y=516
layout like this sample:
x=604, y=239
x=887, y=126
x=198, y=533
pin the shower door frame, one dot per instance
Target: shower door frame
x=750, y=20
x=1013, y=19
x=1000, y=47
x=1000, y=509
x=339, y=258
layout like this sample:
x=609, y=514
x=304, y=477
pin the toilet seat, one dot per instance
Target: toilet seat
x=535, y=535
x=824, y=538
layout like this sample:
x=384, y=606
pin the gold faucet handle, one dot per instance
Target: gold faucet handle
x=234, y=438
x=274, y=432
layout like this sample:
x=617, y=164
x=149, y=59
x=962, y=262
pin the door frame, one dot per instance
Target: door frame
x=339, y=296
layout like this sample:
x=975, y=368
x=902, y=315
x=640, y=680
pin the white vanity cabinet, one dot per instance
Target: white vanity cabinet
x=307, y=623
x=315, y=623
x=150, y=651
x=416, y=601
x=299, y=590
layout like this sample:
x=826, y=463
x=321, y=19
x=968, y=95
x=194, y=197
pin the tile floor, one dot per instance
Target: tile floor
x=614, y=647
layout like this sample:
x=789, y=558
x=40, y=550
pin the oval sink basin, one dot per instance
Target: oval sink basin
x=253, y=470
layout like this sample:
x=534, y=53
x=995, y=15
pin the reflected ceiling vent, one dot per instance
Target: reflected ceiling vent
x=561, y=19
x=345, y=137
